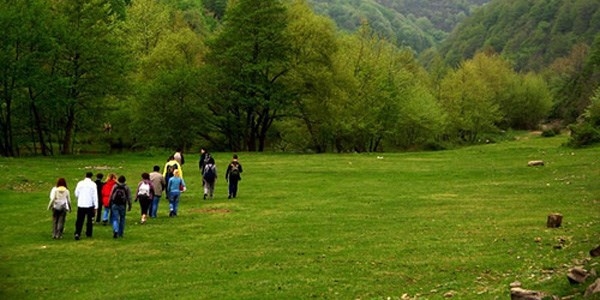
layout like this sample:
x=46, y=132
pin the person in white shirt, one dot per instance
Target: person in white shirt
x=87, y=204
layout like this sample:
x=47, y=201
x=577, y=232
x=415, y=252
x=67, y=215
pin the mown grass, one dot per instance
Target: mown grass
x=334, y=226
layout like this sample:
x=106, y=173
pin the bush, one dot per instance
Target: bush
x=583, y=134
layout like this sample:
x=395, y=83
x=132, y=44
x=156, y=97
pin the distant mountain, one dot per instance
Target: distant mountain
x=418, y=24
x=532, y=33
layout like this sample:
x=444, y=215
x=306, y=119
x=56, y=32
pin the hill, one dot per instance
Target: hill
x=412, y=23
x=532, y=33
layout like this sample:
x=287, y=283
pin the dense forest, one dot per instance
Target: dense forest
x=283, y=75
x=412, y=23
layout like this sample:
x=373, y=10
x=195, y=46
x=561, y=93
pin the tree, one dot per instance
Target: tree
x=587, y=130
x=469, y=102
x=88, y=64
x=248, y=60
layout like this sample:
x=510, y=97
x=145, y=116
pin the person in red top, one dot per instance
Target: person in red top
x=106, y=189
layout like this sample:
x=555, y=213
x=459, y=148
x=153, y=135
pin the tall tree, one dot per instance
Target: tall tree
x=89, y=63
x=249, y=59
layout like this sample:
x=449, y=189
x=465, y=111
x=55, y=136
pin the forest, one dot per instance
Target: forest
x=284, y=75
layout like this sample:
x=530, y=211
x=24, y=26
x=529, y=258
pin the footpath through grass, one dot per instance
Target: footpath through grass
x=335, y=226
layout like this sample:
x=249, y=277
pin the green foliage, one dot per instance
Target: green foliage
x=250, y=58
x=587, y=131
x=531, y=33
x=410, y=23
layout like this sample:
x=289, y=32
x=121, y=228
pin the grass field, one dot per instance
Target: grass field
x=425, y=225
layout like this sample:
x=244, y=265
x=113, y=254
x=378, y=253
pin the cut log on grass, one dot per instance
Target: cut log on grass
x=522, y=294
x=554, y=220
x=577, y=275
x=535, y=163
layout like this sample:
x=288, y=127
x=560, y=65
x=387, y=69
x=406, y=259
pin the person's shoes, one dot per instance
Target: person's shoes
x=229, y=197
x=104, y=223
x=205, y=196
x=115, y=235
x=77, y=237
x=170, y=213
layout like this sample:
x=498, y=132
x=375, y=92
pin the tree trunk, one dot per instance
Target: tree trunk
x=38, y=127
x=69, y=131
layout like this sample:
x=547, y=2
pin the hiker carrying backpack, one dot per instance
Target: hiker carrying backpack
x=119, y=195
x=210, y=173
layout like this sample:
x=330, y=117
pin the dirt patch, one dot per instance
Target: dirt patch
x=212, y=210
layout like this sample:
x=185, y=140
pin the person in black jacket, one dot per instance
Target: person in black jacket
x=99, y=185
x=233, y=176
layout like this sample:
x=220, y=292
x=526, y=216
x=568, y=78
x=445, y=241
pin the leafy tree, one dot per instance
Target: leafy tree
x=88, y=64
x=468, y=100
x=587, y=130
x=248, y=60
x=23, y=52
x=311, y=79
x=166, y=104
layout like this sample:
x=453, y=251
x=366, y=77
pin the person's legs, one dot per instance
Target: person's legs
x=235, y=188
x=99, y=212
x=54, y=223
x=154, y=208
x=62, y=216
x=79, y=222
x=114, y=216
x=89, y=225
x=106, y=214
x=175, y=198
x=212, y=190
x=121, y=220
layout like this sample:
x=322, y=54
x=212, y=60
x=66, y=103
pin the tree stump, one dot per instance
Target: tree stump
x=554, y=220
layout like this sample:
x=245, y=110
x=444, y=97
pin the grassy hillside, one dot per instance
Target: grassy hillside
x=350, y=226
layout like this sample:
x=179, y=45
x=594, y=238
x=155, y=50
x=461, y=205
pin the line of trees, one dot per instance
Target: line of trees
x=255, y=75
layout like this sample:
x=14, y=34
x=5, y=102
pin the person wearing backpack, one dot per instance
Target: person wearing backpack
x=87, y=203
x=209, y=177
x=175, y=186
x=233, y=176
x=120, y=199
x=171, y=166
x=145, y=194
x=60, y=204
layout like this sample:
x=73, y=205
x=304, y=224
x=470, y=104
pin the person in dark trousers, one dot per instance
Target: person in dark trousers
x=99, y=185
x=233, y=176
x=87, y=204
x=120, y=200
x=209, y=178
x=204, y=158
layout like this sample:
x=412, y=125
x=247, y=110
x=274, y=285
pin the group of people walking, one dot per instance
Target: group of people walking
x=108, y=201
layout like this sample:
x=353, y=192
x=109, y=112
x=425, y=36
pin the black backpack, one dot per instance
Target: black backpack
x=235, y=171
x=209, y=173
x=120, y=195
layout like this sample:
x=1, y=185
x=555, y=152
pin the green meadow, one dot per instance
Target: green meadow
x=460, y=224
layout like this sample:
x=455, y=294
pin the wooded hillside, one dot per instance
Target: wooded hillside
x=531, y=33
x=413, y=23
